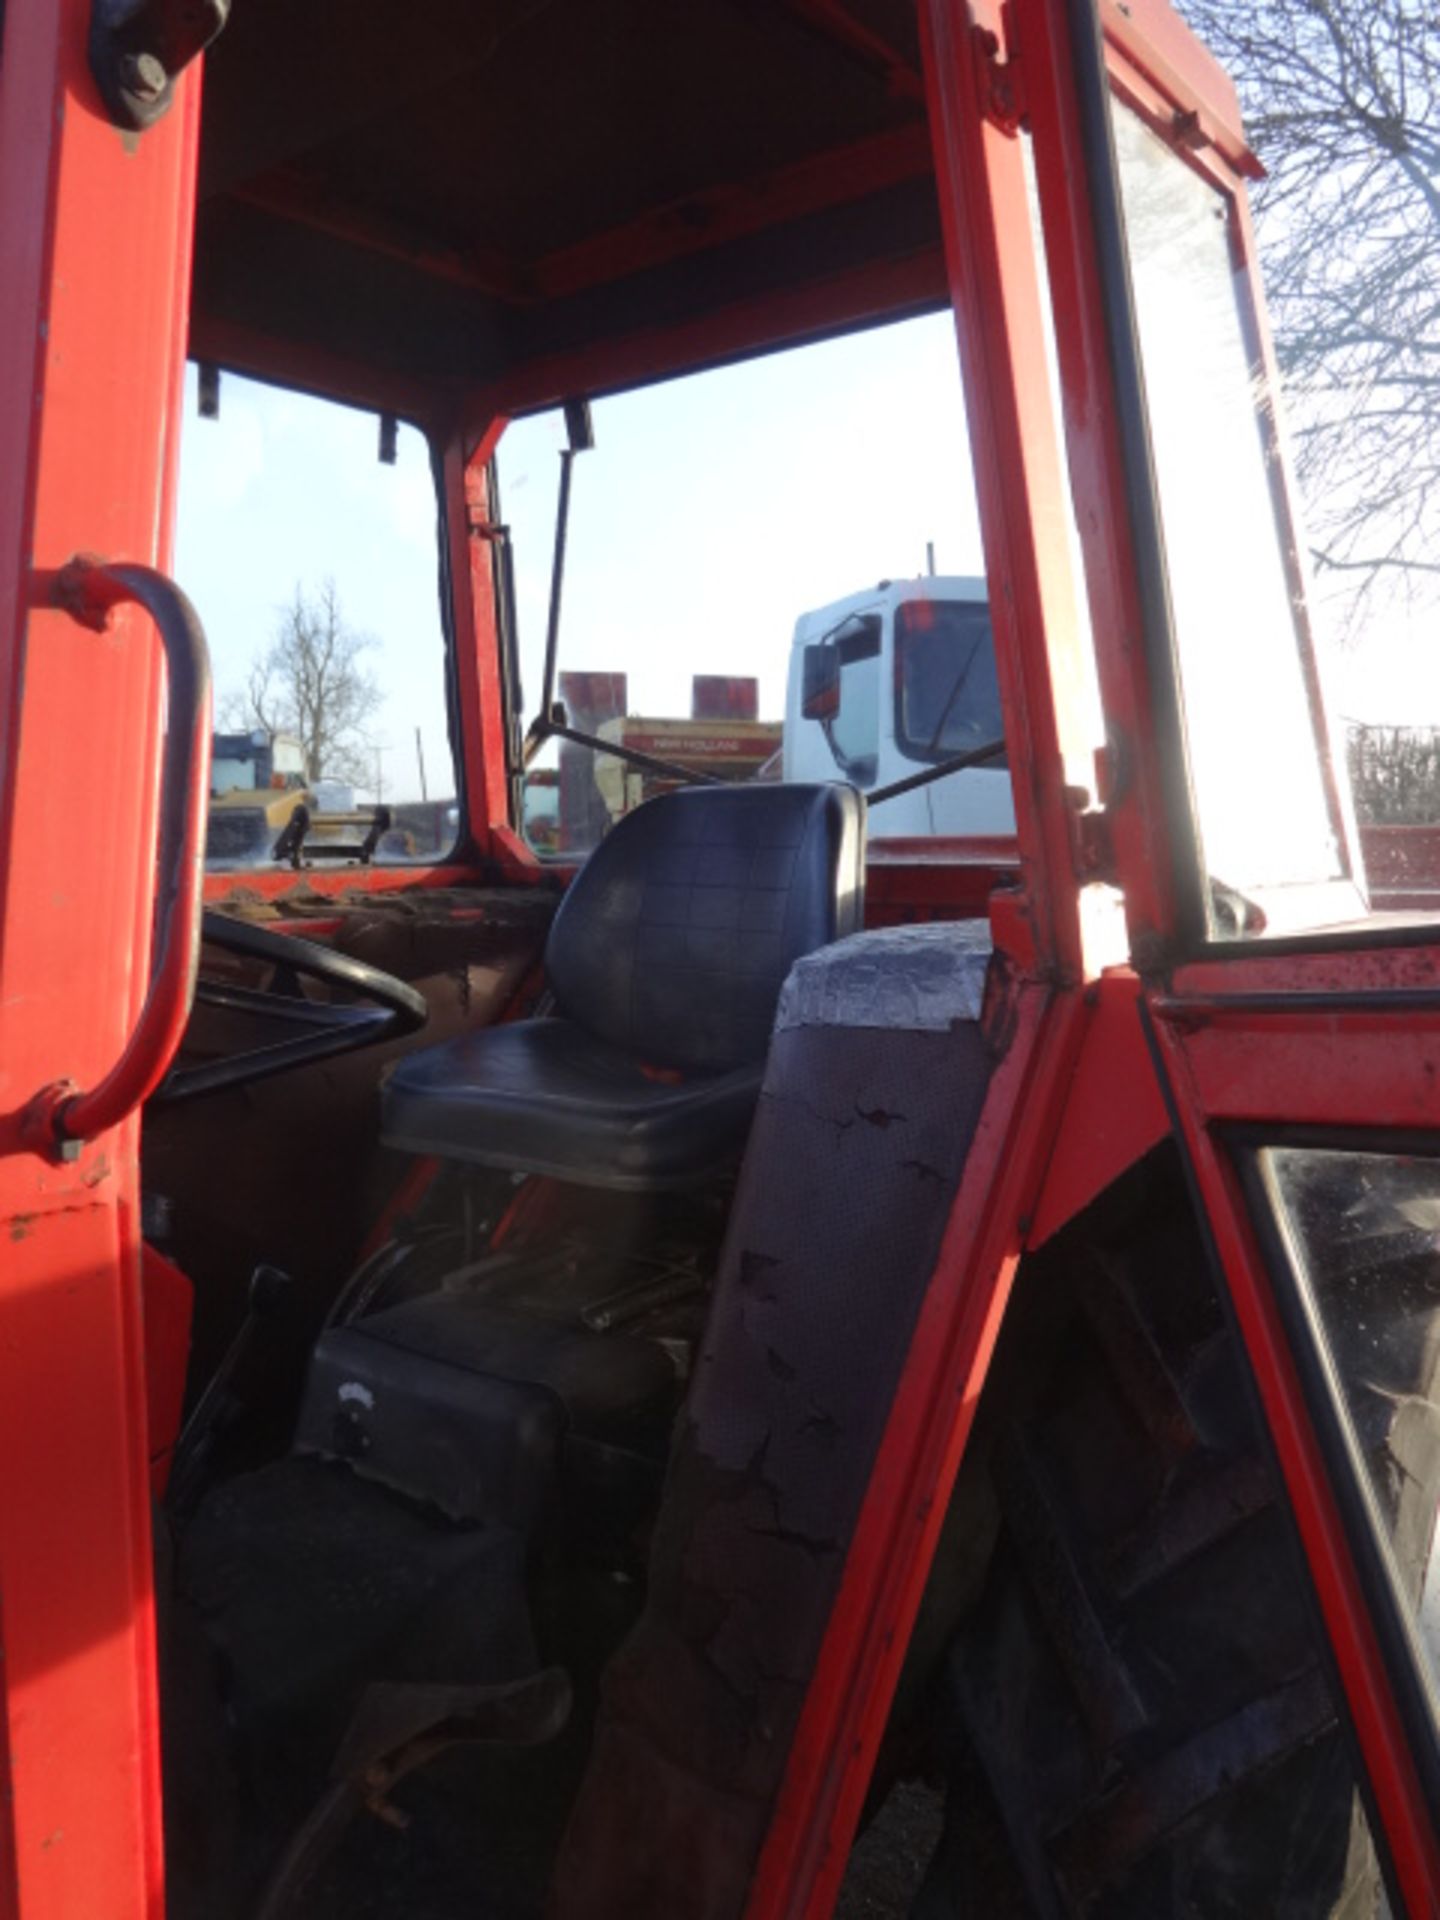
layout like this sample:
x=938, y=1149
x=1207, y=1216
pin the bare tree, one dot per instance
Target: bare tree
x=1395, y=774
x=311, y=681
x=1342, y=102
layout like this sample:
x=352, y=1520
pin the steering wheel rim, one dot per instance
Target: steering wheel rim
x=323, y=1031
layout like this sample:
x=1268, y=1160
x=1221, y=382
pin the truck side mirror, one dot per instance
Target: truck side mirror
x=820, y=681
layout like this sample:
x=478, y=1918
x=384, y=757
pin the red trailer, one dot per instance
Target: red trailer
x=552, y=1402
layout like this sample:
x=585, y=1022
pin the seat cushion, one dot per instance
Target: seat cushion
x=544, y=1096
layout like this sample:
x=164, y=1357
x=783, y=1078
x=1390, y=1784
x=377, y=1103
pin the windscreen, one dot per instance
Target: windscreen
x=722, y=525
x=947, y=693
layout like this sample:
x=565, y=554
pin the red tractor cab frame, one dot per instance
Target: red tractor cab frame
x=1126, y=1019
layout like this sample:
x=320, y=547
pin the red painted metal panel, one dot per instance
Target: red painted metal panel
x=997, y=853
x=1132, y=793
x=1352, y=971
x=167, y=1302
x=476, y=625
x=1113, y=1113
x=995, y=290
x=75, y=1576
x=1154, y=38
x=940, y=879
x=1355, y=1069
x=94, y=270
x=521, y=865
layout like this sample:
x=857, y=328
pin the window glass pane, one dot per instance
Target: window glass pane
x=1363, y=1234
x=1263, y=815
x=314, y=566
x=1339, y=105
x=723, y=524
x=948, y=696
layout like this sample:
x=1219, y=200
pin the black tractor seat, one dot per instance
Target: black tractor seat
x=666, y=959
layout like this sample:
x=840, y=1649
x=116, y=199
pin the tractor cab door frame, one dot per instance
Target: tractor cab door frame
x=95, y=226
x=1278, y=1071
x=1309, y=1042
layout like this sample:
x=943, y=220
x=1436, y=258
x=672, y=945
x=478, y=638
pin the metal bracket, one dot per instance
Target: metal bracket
x=137, y=47
x=1094, y=848
x=495, y=531
x=1001, y=82
x=293, y=846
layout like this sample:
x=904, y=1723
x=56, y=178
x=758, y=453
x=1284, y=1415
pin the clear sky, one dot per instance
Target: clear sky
x=284, y=490
x=711, y=512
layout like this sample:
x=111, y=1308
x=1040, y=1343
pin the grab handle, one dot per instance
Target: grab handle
x=62, y=1115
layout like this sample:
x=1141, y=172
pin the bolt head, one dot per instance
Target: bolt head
x=143, y=76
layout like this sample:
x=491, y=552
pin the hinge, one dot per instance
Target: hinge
x=1090, y=837
x=478, y=520
x=1001, y=80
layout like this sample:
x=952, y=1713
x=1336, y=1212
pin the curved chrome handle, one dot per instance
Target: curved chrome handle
x=62, y=1115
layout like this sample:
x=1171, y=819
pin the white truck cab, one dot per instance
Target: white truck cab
x=887, y=682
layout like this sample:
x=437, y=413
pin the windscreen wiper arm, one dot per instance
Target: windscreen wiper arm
x=955, y=693
x=976, y=757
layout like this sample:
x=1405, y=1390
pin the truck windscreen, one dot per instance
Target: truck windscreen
x=947, y=698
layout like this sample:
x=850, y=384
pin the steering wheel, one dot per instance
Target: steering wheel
x=321, y=1028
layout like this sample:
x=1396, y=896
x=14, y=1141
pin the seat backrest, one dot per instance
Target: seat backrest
x=676, y=935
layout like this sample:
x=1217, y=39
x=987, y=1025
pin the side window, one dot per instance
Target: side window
x=308, y=539
x=854, y=732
